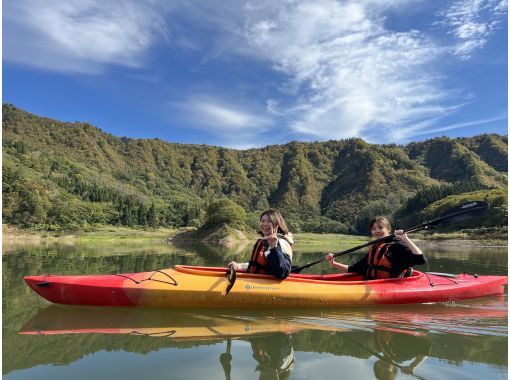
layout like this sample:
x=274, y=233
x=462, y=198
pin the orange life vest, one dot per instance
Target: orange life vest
x=378, y=264
x=258, y=262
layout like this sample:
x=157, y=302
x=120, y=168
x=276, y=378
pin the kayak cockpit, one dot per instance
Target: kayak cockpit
x=343, y=278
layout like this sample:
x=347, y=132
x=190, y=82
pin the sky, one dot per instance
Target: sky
x=245, y=74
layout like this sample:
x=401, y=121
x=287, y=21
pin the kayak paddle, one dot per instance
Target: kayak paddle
x=464, y=211
x=231, y=278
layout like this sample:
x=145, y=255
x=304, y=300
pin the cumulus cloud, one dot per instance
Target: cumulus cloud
x=79, y=35
x=472, y=22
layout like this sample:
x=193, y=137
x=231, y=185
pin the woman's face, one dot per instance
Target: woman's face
x=266, y=226
x=379, y=231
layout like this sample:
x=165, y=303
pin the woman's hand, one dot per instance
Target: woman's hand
x=330, y=258
x=272, y=240
x=401, y=235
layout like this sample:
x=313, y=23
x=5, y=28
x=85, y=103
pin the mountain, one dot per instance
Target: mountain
x=69, y=175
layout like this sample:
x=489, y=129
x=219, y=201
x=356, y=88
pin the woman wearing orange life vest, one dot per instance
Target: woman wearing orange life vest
x=387, y=259
x=272, y=254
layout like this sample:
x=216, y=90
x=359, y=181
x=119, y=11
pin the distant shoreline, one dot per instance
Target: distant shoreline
x=13, y=234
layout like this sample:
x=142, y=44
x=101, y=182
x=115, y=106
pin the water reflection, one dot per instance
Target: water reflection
x=384, y=341
x=226, y=359
x=129, y=257
x=392, y=340
x=394, y=352
x=274, y=355
x=216, y=254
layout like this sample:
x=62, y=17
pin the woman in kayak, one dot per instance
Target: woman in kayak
x=388, y=259
x=272, y=253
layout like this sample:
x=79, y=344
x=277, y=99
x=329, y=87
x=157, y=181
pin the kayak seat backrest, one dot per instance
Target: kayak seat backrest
x=407, y=273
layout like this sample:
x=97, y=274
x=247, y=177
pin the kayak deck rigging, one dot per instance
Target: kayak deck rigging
x=150, y=278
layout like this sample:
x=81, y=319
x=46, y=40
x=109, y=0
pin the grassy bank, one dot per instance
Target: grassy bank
x=483, y=237
x=11, y=234
x=305, y=241
x=308, y=242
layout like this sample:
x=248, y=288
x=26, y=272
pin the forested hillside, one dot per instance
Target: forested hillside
x=60, y=175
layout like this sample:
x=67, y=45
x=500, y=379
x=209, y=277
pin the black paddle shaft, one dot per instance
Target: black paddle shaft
x=464, y=211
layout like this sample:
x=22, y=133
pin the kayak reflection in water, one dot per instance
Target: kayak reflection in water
x=274, y=355
x=398, y=351
x=388, y=259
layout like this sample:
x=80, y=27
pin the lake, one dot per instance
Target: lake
x=463, y=340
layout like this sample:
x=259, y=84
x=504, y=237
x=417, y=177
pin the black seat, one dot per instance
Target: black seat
x=407, y=273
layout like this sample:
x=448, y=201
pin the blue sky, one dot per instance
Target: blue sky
x=245, y=74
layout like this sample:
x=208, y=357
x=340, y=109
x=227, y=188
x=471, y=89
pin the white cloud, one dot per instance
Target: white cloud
x=458, y=126
x=233, y=123
x=472, y=22
x=344, y=71
x=348, y=73
x=79, y=35
x=228, y=117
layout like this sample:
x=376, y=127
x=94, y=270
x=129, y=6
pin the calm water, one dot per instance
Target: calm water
x=465, y=340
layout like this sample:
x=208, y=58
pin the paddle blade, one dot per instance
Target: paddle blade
x=465, y=211
x=231, y=278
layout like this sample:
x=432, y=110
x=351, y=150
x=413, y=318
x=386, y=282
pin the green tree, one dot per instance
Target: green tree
x=151, y=216
x=142, y=215
x=226, y=211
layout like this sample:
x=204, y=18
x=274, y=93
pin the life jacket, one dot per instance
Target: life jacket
x=258, y=262
x=379, y=266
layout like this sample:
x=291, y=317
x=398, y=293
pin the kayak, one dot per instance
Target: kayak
x=206, y=287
